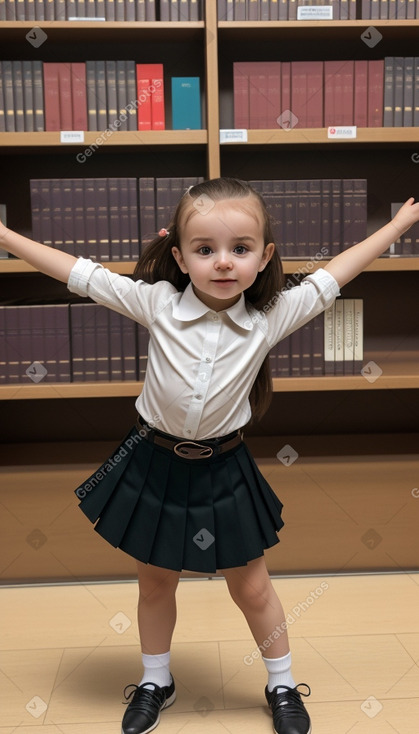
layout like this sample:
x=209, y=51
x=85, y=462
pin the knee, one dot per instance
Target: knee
x=250, y=597
x=157, y=585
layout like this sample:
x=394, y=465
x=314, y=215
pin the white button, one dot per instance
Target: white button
x=188, y=430
x=198, y=397
x=215, y=318
x=208, y=359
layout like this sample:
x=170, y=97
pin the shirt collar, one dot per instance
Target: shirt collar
x=189, y=307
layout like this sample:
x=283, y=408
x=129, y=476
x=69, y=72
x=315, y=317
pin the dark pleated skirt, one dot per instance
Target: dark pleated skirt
x=182, y=514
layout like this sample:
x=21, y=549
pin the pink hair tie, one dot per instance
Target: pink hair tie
x=163, y=232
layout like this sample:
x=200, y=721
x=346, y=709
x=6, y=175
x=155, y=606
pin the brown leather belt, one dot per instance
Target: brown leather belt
x=189, y=449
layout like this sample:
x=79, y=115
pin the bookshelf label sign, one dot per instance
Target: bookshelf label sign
x=342, y=132
x=315, y=12
x=233, y=136
x=72, y=136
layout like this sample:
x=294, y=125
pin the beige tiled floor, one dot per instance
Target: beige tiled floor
x=68, y=651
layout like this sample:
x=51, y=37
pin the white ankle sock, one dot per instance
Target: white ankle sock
x=279, y=670
x=156, y=669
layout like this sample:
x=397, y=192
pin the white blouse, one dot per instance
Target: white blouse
x=201, y=363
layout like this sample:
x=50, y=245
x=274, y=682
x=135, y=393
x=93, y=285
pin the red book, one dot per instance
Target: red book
x=375, y=93
x=307, y=93
x=79, y=96
x=361, y=94
x=150, y=96
x=257, y=94
x=286, y=95
x=66, y=111
x=51, y=96
x=338, y=93
x=241, y=99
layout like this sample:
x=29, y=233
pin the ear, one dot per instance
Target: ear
x=179, y=259
x=267, y=255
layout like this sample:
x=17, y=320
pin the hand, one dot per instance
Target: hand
x=407, y=215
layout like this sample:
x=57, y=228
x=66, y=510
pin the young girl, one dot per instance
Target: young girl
x=182, y=490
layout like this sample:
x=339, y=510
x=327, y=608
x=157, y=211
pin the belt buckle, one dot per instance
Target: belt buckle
x=192, y=450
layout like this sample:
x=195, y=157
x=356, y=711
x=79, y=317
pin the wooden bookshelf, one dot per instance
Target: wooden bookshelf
x=133, y=138
x=387, y=264
x=382, y=155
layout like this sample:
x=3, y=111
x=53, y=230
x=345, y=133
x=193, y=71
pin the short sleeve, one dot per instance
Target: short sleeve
x=137, y=300
x=292, y=308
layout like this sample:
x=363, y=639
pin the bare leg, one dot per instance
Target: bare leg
x=251, y=589
x=156, y=607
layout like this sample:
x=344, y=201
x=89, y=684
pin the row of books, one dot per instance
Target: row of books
x=70, y=343
x=312, y=9
x=286, y=9
x=129, y=10
x=103, y=218
x=330, y=344
x=106, y=219
x=86, y=342
x=315, y=218
x=313, y=94
x=93, y=95
x=390, y=9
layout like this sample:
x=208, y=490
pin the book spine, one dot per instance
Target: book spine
x=102, y=219
x=375, y=93
x=358, y=335
x=134, y=246
x=339, y=337
x=147, y=213
x=241, y=98
x=398, y=91
x=329, y=340
x=116, y=356
x=124, y=220
x=51, y=96
x=79, y=98
x=144, y=98
x=317, y=361
x=348, y=336
x=121, y=94
x=93, y=123
x=108, y=109
x=186, y=103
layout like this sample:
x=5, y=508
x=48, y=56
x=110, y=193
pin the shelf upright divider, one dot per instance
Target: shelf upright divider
x=211, y=91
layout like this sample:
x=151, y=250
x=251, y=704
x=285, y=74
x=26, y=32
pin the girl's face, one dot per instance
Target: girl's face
x=222, y=249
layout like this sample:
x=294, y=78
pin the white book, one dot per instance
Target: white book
x=358, y=334
x=329, y=340
x=349, y=337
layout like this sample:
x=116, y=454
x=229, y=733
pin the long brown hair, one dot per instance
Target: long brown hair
x=157, y=263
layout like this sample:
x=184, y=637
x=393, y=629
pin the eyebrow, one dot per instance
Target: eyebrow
x=211, y=239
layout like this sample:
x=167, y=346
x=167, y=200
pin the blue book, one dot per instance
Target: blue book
x=186, y=103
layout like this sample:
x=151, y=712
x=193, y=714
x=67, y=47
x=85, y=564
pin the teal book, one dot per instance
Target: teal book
x=186, y=103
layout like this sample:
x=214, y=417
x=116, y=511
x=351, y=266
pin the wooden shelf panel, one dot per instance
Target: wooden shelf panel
x=103, y=31
x=318, y=136
x=296, y=136
x=406, y=378
x=385, y=264
x=317, y=24
x=98, y=138
x=346, y=30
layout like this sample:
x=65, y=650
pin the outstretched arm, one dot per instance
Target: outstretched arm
x=52, y=262
x=349, y=263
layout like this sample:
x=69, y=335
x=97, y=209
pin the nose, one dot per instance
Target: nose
x=223, y=261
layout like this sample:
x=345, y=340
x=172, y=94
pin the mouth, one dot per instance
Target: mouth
x=224, y=280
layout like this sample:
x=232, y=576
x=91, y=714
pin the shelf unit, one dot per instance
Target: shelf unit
x=46, y=423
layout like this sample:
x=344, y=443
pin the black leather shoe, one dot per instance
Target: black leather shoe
x=143, y=712
x=289, y=713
